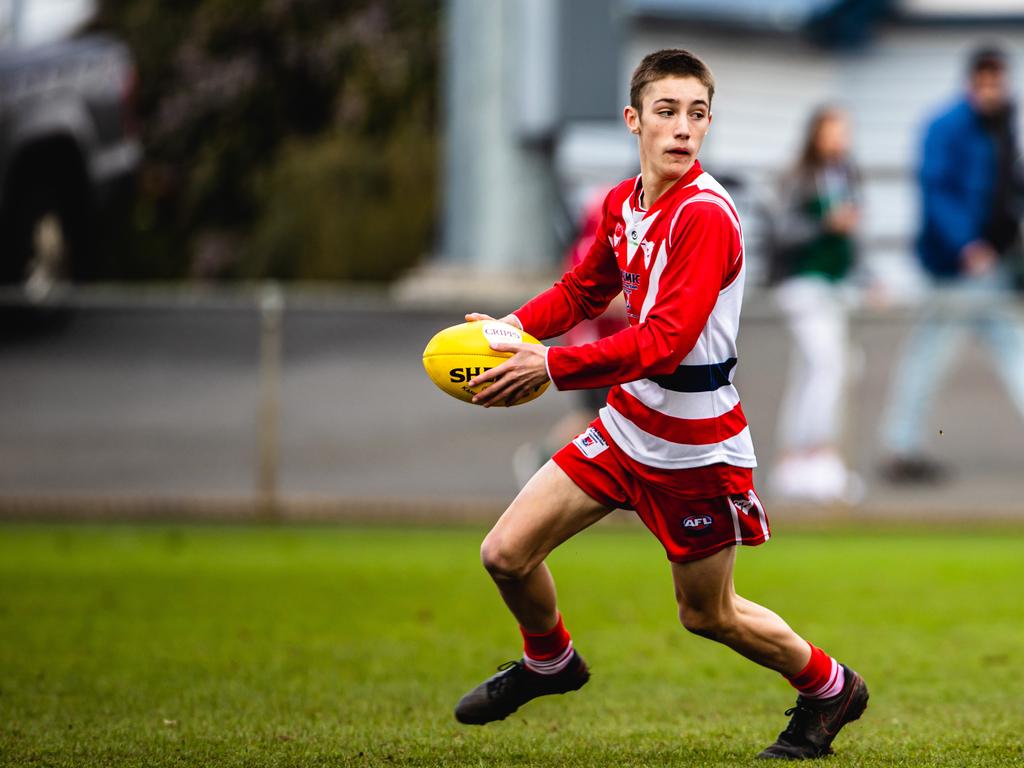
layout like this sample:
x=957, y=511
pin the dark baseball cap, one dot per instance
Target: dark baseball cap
x=986, y=57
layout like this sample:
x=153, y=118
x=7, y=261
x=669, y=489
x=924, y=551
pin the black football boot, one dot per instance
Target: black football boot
x=499, y=696
x=816, y=722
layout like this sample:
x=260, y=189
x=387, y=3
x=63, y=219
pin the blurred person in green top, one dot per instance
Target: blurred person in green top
x=815, y=253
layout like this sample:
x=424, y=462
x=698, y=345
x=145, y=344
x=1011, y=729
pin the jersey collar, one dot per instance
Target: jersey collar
x=684, y=181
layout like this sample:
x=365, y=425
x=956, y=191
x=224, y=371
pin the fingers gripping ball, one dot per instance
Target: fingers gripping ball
x=457, y=354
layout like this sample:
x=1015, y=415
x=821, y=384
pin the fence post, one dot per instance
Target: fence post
x=271, y=312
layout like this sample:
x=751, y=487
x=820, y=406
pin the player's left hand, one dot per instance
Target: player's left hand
x=519, y=375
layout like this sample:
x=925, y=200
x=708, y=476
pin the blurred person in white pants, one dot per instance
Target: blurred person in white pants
x=816, y=252
x=971, y=192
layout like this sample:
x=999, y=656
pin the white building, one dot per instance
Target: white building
x=536, y=89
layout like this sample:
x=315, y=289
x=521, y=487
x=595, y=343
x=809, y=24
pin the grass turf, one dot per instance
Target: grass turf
x=232, y=646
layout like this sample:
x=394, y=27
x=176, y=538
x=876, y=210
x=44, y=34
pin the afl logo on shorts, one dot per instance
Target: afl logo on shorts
x=698, y=524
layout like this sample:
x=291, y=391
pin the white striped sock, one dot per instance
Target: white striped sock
x=834, y=686
x=550, y=666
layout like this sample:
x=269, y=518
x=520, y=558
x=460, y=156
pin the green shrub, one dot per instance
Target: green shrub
x=344, y=207
x=293, y=139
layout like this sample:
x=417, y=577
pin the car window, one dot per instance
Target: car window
x=34, y=22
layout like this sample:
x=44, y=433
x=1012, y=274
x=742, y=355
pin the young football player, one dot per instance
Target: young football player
x=671, y=443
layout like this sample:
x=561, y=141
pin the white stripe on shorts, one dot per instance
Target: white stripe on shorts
x=762, y=518
x=735, y=521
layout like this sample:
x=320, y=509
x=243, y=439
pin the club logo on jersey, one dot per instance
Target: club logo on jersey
x=648, y=248
x=590, y=443
x=697, y=524
x=617, y=237
x=637, y=229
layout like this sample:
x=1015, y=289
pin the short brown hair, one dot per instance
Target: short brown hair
x=668, y=62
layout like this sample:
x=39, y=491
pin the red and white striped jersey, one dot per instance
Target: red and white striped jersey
x=681, y=266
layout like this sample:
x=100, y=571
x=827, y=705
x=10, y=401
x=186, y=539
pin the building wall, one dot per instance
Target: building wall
x=766, y=88
x=498, y=187
x=527, y=125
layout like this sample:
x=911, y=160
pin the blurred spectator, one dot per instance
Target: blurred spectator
x=815, y=251
x=529, y=457
x=971, y=188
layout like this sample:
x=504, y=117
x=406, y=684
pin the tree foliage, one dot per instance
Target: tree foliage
x=283, y=138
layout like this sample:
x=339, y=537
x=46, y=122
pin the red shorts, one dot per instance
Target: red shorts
x=689, y=529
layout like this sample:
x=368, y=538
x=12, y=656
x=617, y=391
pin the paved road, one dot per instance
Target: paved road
x=164, y=400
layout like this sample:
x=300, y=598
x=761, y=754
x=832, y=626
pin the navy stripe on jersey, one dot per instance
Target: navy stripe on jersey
x=696, y=378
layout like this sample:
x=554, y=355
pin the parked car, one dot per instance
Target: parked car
x=68, y=154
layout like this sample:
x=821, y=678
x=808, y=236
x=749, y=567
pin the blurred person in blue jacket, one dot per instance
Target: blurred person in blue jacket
x=816, y=249
x=971, y=191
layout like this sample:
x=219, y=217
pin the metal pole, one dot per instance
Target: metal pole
x=17, y=20
x=271, y=311
x=494, y=181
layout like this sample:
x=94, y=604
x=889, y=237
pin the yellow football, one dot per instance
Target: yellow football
x=458, y=354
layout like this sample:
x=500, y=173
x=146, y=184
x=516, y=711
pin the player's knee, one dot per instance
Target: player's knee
x=712, y=623
x=502, y=562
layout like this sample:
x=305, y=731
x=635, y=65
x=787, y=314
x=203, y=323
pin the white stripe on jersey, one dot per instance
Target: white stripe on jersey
x=715, y=346
x=653, y=451
x=660, y=262
x=706, y=197
x=684, y=405
x=707, y=181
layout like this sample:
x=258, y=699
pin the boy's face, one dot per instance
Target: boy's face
x=674, y=119
x=990, y=91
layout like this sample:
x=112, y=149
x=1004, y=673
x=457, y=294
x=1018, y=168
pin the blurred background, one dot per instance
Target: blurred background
x=228, y=229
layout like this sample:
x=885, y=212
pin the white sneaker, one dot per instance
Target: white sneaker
x=818, y=479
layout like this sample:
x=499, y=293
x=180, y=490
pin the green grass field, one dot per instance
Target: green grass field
x=243, y=646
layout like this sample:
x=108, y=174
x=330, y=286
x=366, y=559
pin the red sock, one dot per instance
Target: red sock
x=549, y=652
x=822, y=678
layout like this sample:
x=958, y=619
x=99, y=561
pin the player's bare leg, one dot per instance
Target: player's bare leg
x=831, y=694
x=710, y=607
x=550, y=509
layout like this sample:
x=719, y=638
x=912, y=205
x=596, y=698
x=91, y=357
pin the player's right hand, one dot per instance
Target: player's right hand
x=473, y=317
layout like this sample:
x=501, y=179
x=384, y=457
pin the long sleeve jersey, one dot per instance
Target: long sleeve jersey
x=680, y=265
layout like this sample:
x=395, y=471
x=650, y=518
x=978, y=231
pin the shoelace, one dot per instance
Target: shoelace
x=802, y=714
x=497, y=685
